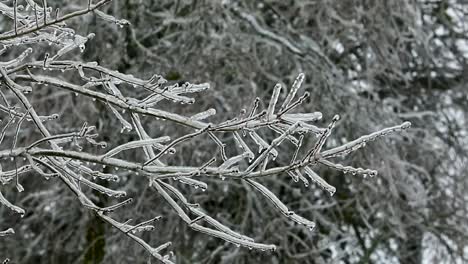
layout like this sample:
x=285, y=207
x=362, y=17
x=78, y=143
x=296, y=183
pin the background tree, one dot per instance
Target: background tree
x=374, y=62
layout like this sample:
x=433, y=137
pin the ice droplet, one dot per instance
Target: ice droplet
x=19, y=187
x=406, y=125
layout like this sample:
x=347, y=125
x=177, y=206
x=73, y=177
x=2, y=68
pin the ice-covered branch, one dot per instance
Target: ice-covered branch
x=248, y=158
x=7, y=232
x=47, y=23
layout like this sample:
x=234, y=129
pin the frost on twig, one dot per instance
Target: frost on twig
x=249, y=158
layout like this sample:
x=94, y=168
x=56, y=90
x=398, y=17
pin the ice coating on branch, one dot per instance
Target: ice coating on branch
x=244, y=146
x=136, y=144
x=273, y=101
x=11, y=206
x=320, y=181
x=195, y=88
x=13, y=85
x=107, y=17
x=192, y=182
x=7, y=232
x=262, y=143
x=349, y=169
x=15, y=62
x=312, y=154
x=94, y=174
x=406, y=125
x=125, y=124
x=232, y=161
x=268, y=129
x=204, y=115
x=71, y=44
x=304, y=117
x=363, y=140
x=280, y=205
x=292, y=92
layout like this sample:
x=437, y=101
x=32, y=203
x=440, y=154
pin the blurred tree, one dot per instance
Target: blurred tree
x=374, y=62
